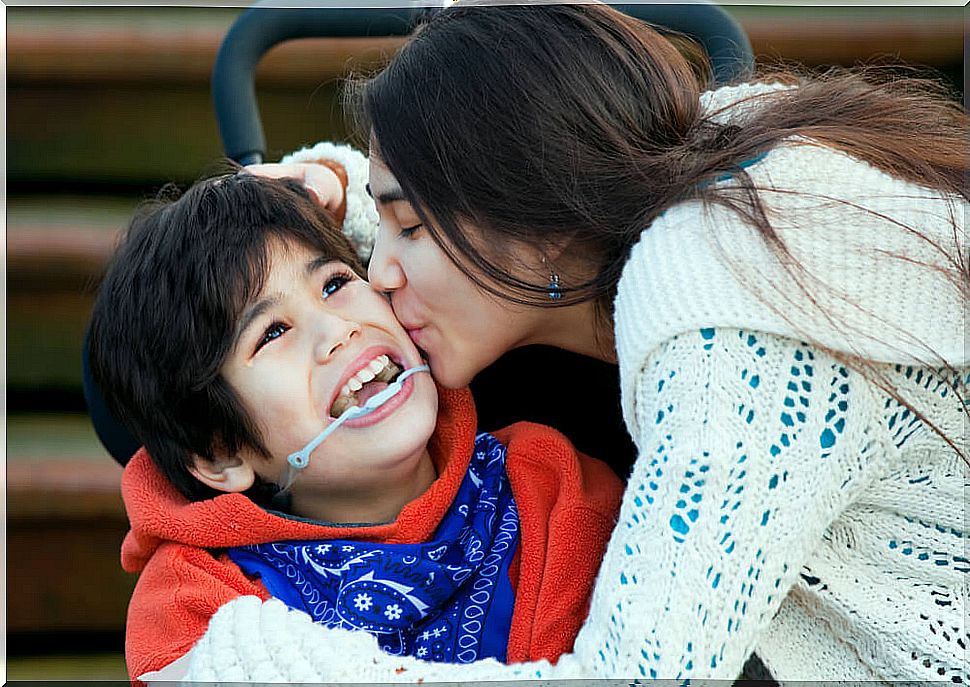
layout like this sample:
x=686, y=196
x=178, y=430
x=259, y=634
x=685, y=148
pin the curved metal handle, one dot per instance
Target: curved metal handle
x=261, y=27
x=725, y=42
x=256, y=31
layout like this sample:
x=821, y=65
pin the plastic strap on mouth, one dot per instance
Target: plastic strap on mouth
x=301, y=458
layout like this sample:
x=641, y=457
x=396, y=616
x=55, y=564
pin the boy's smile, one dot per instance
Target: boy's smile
x=375, y=371
x=315, y=341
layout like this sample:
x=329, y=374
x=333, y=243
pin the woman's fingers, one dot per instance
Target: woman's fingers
x=325, y=180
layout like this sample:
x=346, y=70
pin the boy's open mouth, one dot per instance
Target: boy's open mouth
x=369, y=380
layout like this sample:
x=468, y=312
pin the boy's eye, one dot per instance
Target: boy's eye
x=335, y=283
x=274, y=331
x=408, y=232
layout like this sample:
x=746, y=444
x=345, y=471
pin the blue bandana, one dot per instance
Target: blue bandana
x=448, y=600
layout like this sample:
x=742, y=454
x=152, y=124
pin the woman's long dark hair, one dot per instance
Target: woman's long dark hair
x=580, y=125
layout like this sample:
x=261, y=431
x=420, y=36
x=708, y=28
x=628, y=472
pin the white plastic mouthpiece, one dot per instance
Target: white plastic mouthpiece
x=300, y=459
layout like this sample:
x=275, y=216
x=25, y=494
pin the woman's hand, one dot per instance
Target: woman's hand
x=326, y=181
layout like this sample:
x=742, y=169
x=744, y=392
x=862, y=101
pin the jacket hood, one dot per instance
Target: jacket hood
x=159, y=513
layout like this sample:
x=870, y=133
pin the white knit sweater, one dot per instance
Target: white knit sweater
x=781, y=503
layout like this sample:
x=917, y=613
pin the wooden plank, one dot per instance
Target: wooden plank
x=55, y=255
x=180, y=46
x=38, y=437
x=68, y=667
x=58, y=242
x=66, y=575
x=145, y=135
x=44, y=334
x=41, y=259
x=931, y=41
x=173, y=45
x=65, y=521
x=136, y=82
x=64, y=55
x=64, y=489
x=57, y=469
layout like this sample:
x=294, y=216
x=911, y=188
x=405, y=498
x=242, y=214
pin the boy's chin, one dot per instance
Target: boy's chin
x=414, y=435
x=418, y=433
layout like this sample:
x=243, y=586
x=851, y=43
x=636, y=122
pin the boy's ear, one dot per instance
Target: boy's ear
x=231, y=474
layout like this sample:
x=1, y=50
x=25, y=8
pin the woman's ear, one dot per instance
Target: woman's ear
x=231, y=474
x=553, y=248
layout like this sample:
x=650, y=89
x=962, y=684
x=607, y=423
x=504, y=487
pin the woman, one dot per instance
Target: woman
x=781, y=274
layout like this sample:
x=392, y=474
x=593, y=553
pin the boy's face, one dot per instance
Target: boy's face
x=305, y=348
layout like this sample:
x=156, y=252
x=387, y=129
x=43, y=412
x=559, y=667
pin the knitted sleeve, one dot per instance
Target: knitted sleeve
x=750, y=445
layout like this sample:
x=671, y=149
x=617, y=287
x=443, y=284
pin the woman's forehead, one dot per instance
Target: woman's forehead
x=383, y=186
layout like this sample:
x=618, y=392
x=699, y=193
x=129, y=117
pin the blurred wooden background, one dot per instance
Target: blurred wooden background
x=106, y=105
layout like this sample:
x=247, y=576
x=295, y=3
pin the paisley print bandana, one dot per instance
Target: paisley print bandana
x=448, y=600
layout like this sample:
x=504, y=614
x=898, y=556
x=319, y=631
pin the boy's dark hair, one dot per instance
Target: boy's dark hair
x=164, y=318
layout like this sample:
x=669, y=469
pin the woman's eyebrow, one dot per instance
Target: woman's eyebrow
x=390, y=196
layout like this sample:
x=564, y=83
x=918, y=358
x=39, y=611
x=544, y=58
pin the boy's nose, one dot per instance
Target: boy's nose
x=385, y=272
x=336, y=334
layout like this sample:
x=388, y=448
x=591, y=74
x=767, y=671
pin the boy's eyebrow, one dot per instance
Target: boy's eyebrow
x=253, y=312
x=390, y=196
x=317, y=263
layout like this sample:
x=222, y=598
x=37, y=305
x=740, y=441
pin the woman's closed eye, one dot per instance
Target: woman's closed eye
x=408, y=232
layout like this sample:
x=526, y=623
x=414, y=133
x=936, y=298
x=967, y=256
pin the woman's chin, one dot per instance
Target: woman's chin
x=443, y=373
x=449, y=378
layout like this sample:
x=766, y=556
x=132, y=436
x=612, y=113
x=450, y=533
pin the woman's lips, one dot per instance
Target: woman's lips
x=418, y=335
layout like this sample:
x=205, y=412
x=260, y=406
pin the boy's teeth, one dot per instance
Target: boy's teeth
x=381, y=369
x=389, y=372
x=340, y=406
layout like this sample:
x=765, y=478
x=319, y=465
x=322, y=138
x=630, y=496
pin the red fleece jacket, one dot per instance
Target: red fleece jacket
x=567, y=504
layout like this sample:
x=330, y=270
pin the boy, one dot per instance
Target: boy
x=231, y=328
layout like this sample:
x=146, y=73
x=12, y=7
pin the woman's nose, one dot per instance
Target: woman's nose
x=333, y=335
x=385, y=272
